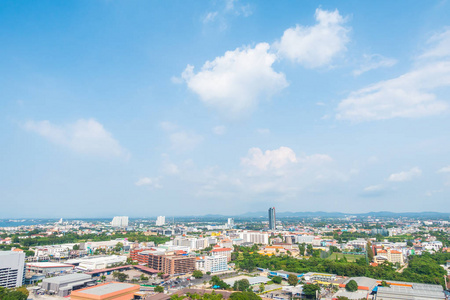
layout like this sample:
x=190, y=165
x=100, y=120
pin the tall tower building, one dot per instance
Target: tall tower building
x=272, y=219
x=119, y=222
x=160, y=221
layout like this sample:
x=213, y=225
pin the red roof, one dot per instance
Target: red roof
x=146, y=269
x=221, y=250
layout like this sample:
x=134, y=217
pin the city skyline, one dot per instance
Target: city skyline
x=223, y=107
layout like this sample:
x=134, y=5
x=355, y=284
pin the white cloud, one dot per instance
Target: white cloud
x=168, y=126
x=374, y=188
x=374, y=61
x=263, y=131
x=317, y=45
x=405, y=175
x=210, y=17
x=439, y=46
x=270, y=159
x=444, y=170
x=410, y=95
x=83, y=136
x=240, y=9
x=219, y=130
x=150, y=182
x=374, y=191
x=235, y=82
x=184, y=141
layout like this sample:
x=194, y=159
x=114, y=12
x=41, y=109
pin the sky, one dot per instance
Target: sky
x=146, y=108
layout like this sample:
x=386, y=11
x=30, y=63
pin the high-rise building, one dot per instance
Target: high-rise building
x=119, y=222
x=12, y=268
x=160, y=221
x=272, y=219
x=230, y=223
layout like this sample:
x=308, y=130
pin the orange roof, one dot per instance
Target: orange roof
x=381, y=251
x=221, y=250
x=395, y=252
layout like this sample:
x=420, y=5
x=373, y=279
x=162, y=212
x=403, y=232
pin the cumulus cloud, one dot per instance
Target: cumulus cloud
x=374, y=61
x=315, y=46
x=411, y=95
x=184, y=140
x=219, y=130
x=270, y=159
x=83, y=136
x=444, y=170
x=286, y=173
x=235, y=82
x=405, y=175
x=150, y=182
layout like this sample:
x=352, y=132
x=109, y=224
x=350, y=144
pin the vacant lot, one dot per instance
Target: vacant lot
x=349, y=257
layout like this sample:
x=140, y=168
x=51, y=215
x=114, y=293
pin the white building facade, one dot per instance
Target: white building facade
x=12, y=268
x=216, y=263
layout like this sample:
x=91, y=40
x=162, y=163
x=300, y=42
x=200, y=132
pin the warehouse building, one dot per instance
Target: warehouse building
x=107, y=291
x=63, y=285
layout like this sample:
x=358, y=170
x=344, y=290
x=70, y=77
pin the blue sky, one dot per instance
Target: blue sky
x=146, y=108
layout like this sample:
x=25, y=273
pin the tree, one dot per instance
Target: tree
x=384, y=283
x=277, y=279
x=351, y=286
x=177, y=297
x=244, y=296
x=118, y=247
x=369, y=251
x=309, y=249
x=76, y=247
x=310, y=290
x=29, y=253
x=160, y=274
x=241, y=285
x=159, y=289
x=302, y=248
x=120, y=276
x=197, y=274
x=292, y=280
x=144, y=278
x=262, y=287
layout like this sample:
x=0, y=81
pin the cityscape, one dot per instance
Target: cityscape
x=224, y=150
x=394, y=257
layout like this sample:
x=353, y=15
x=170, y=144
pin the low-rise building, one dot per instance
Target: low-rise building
x=46, y=268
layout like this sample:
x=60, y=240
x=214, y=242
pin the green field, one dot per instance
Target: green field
x=349, y=257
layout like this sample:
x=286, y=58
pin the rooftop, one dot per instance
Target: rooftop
x=108, y=288
x=67, y=278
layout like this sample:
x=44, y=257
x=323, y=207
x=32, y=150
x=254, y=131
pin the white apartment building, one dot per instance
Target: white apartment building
x=12, y=268
x=160, y=221
x=304, y=239
x=119, y=222
x=255, y=237
x=216, y=263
